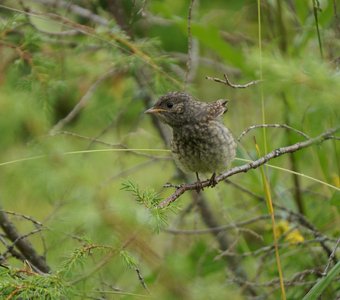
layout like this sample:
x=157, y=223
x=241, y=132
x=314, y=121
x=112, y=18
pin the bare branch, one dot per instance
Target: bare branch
x=141, y=279
x=228, y=83
x=244, y=132
x=82, y=102
x=246, y=167
x=331, y=258
x=22, y=244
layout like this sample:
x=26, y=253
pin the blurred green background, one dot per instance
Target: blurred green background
x=114, y=61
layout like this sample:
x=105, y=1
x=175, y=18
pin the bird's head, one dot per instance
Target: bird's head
x=172, y=108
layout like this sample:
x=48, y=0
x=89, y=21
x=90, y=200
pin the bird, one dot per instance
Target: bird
x=200, y=142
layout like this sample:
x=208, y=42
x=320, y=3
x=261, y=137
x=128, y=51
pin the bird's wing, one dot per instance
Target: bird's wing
x=204, y=112
x=217, y=108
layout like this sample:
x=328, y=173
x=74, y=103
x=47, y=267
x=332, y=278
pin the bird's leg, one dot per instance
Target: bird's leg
x=212, y=180
x=199, y=186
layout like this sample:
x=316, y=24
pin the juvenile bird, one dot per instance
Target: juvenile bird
x=201, y=143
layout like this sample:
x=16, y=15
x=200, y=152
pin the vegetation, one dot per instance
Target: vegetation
x=84, y=211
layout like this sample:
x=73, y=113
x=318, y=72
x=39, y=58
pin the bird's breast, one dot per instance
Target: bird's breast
x=203, y=147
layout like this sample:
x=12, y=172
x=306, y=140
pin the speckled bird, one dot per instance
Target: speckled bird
x=201, y=143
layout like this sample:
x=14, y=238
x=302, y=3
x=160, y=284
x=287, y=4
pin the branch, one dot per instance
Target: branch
x=298, y=217
x=297, y=279
x=244, y=132
x=219, y=228
x=331, y=258
x=22, y=244
x=246, y=167
x=82, y=102
x=228, y=83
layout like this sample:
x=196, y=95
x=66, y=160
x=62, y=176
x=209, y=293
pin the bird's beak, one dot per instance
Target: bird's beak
x=154, y=110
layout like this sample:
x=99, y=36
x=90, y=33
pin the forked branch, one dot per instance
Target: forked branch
x=227, y=82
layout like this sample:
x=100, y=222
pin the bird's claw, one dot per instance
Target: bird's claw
x=199, y=185
x=212, y=180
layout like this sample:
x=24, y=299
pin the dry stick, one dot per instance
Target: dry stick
x=22, y=244
x=228, y=83
x=246, y=167
x=244, y=132
x=141, y=279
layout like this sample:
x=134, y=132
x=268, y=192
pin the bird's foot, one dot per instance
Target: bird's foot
x=212, y=180
x=199, y=185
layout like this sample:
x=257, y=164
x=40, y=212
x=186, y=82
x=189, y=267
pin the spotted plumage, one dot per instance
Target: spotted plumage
x=201, y=143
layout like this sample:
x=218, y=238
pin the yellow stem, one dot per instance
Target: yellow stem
x=270, y=207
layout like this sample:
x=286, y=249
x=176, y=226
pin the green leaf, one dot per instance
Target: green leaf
x=322, y=284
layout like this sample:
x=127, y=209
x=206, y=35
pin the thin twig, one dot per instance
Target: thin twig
x=141, y=279
x=271, y=248
x=297, y=279
x=82, y=102
x=299, y=218
x=219, y=228
x=22, y=244
x=246, y=167
x=227, y=82
x=37, y=223
x=83, y=137
x=189, y=61
x=244, y=132
x=331, y=258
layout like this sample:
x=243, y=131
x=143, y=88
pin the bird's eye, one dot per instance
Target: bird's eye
x=169, y=104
